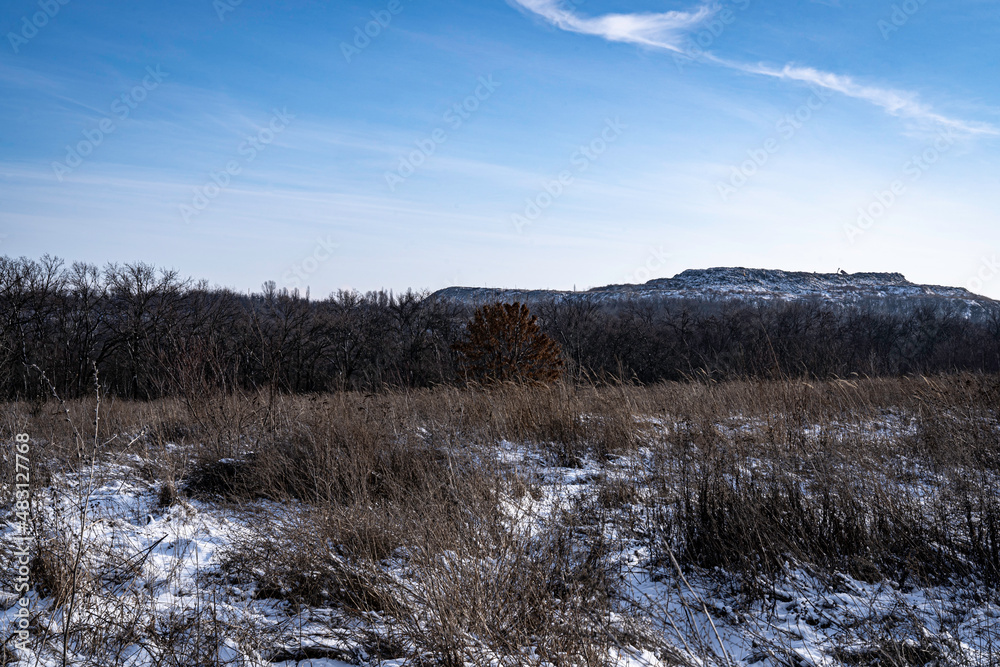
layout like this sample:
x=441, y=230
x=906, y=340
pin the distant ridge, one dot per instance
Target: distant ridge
x=737, y=283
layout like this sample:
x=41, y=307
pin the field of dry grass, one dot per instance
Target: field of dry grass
x=843, y=522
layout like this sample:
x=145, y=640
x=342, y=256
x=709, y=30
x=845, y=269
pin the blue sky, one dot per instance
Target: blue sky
x=528, y=143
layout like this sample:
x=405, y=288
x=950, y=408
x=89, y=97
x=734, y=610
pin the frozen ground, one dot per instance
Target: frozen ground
x=151, y=584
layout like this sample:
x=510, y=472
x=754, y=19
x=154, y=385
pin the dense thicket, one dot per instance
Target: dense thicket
x=151, y=333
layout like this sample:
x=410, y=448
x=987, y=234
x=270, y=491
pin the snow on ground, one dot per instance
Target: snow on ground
x=155, y=568
x=806, y=621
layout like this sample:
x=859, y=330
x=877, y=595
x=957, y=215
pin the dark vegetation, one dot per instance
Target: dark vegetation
x=151, y=334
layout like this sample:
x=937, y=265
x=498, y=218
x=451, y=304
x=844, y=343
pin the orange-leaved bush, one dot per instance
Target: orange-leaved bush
x=504, y=343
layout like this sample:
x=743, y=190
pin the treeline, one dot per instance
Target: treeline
x=682, y=339
x=149, y=333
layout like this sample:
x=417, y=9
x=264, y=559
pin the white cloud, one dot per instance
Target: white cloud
x=661, y=30
x=895, y=102
x=667, y=30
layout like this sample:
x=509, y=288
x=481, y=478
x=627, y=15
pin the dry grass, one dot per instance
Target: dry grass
x=400, y=497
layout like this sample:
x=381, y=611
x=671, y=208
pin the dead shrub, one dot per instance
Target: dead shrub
x=495, y=598
x=299, y=562
x=167, y=496
x=53, y=568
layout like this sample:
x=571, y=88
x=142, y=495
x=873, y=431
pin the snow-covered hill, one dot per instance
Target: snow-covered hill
x=749, y=284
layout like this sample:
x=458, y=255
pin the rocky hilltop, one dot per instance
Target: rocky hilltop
x=749, y=285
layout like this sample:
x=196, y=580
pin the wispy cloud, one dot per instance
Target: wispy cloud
x=661, y=30
x=668, y=30
x=895, y=102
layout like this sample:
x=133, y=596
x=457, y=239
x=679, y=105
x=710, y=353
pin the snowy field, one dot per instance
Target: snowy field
x=586, y=547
